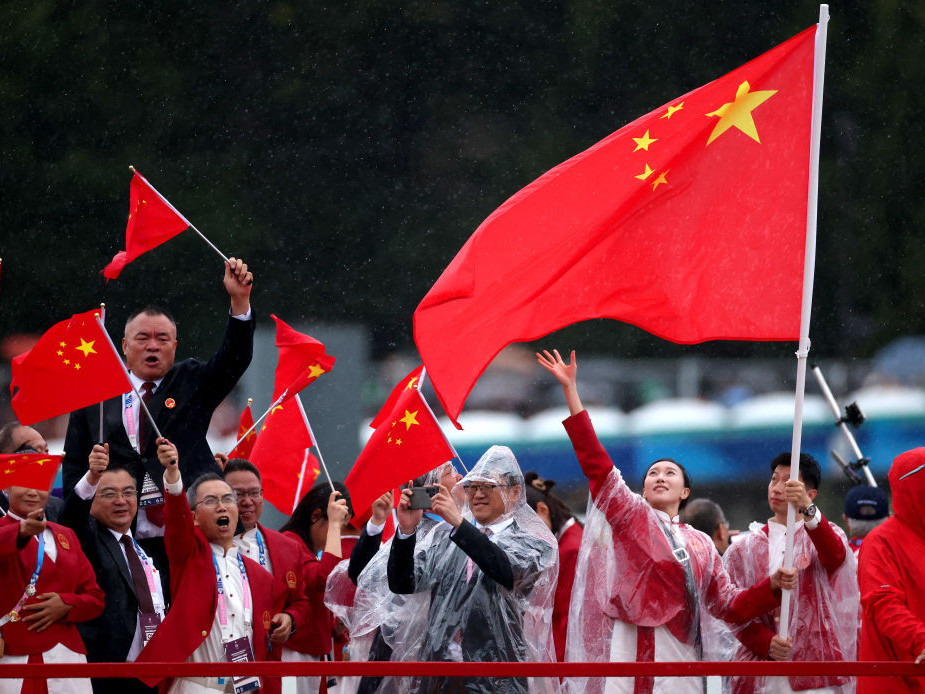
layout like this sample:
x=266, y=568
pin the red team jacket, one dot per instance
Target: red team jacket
x=70, y=575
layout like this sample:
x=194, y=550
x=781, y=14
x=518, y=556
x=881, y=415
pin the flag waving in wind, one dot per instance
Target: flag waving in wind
x=73, y=365
x=243, y=449
x=407, y=442
x=151, y=221
x=689, y=222
x=30, y=470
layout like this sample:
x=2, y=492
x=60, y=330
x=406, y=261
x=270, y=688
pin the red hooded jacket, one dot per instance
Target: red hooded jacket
x=891, y=575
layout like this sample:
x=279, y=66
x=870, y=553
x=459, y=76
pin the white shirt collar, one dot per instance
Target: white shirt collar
x=665, y=518
x=498, y=526
x=138, y=382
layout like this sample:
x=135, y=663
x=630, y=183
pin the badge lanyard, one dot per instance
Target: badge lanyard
x=131, y=427
x=30, y=588
x=150, y=575
x=222, y=606
x=261, y=554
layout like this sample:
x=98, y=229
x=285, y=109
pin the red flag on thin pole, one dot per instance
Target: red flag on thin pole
x=247, y=437
x=689, y=222
x=280, y=453
x=407, y=442
x=151, y=221
x=71, y=366
x=31, y=470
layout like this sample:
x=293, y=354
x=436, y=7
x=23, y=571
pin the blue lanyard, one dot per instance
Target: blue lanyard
x=260, y=550
x=38, y=564
x=218, y=573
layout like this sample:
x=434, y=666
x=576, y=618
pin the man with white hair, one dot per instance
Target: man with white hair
x=491, y=574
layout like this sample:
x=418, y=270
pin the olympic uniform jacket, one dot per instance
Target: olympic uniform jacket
x=316, y=636
x=182, y=406
x=892, y=579
x=70, y=575
x=195, y=593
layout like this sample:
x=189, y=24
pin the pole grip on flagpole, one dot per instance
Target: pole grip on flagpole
x=314, y=441
x=809, y=269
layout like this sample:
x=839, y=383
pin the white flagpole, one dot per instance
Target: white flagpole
x=315, y=441
x=177, y=212
x=102, y=322
x=298, y=489
x=809, y=268
x=125, y=371
x=427, y=405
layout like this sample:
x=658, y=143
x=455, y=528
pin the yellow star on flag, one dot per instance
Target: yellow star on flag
x=661, y=179
x=645, y=174
x=409, y=419
x=644, y=142
x=315, y=370
x=398, y=442
x=77, y=366
x=62, y=344
x=86, y=347
x=738, y=113
x=671, y=110
x=67, y=362
x=411, y=383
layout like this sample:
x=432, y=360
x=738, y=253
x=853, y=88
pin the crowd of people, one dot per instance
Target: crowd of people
x=157, y=554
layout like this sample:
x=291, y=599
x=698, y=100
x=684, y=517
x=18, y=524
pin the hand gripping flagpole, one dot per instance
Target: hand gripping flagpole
x=427, y=405
x=177, y=212
x=125, y=371
x=809, y=268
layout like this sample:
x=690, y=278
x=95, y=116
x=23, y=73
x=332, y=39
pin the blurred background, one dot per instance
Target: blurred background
x=347, y=151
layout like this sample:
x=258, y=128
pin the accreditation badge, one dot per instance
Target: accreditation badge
x=239, y=651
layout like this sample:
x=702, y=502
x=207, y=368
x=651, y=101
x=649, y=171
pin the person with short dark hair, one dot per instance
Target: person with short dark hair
x=181, y=397
x=560, y=520
x=865, y=509
x=707, y=516
x=283, y=557
x=824, y=604
x=222, y=602
x=101, y=511
x=892, y=580
x=646, y=585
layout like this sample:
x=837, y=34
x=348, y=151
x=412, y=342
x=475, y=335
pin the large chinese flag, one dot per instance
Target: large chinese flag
x=151, y=221
x=72, y=365
x=279, y=453
x=407, y=442
x=689, y=222
x=32, y=470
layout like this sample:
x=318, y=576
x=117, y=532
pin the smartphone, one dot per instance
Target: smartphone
x=421, y=496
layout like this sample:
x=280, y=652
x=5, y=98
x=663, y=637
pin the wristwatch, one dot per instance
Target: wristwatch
x=809, y=512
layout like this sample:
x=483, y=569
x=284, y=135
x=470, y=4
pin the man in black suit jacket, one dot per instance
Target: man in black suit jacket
x=100, y=510
x=490, y=572
x=183, y=397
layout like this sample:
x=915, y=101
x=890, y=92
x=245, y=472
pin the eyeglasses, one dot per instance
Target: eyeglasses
x=113, y=494
x=473, y=489
x=255, y=494
x=212, y=501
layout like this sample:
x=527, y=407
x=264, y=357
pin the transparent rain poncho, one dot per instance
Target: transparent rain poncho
x=824, y=607
x=377, y=618
x=471, y=616
x=629, y=575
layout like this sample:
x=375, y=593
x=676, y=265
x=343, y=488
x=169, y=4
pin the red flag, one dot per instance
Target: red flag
x=300, y=358
x=689, y=222
x=407, y=442
x=71, y=366
x=279, y=453
x=151, y=221
x=243, y=449
x=32, y=470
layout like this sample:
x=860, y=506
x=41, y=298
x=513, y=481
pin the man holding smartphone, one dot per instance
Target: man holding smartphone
x=490, y=572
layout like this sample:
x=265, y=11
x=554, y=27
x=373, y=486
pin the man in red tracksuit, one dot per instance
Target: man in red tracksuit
x=222, y=607
x=892, y=579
